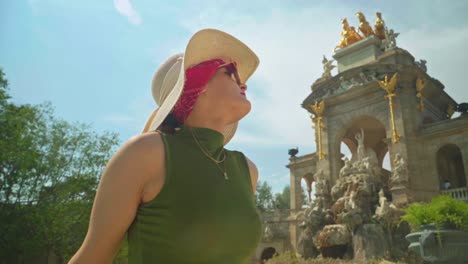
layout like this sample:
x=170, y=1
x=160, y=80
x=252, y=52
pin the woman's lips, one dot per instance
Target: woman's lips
x=243, y=94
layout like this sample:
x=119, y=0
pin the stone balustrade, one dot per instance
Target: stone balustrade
x=460, y=194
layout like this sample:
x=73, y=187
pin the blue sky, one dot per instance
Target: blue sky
x=94, y=60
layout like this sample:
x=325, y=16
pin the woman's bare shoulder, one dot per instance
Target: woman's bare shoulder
x=253, y=171
x=144, y=153
x=148, y=155
x=150, y=141
x=131, y=175
x=140, y=147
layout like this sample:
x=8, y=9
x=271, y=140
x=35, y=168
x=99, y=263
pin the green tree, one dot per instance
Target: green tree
x=49, y=171
x=264, y=197
x=282, y=200
x=267, y=201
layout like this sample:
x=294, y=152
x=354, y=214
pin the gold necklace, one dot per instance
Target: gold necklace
x=206, y=152
x=216, y=162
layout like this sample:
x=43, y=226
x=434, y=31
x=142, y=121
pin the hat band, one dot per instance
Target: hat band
x=196, y=78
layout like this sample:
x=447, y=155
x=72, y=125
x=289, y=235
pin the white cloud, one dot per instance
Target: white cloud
x=125, y=8
x=118, y=119
x=133, y=117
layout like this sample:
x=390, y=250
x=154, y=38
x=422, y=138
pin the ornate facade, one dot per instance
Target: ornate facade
x=381, y=102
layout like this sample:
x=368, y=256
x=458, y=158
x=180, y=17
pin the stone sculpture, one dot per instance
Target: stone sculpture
x=390, y=39
x=327, y=68
x=422, y=65
x=400, y=172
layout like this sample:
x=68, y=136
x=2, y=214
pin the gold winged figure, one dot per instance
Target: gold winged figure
x=318, y=108
x=420, y=83
x=389, y=86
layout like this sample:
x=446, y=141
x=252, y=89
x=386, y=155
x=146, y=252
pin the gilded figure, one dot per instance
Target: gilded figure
x=364, y=28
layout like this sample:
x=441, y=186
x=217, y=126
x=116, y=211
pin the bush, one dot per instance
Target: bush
x=441, y=210
x=418, y=214
x=291, y=258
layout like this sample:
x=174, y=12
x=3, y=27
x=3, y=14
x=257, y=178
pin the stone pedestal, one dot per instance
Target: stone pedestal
x=357, y=54
x=399, y=196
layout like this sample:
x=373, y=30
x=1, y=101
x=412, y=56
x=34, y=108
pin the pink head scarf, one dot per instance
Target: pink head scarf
x=196, y=78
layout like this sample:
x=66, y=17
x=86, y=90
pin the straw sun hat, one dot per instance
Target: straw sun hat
x=168, y=81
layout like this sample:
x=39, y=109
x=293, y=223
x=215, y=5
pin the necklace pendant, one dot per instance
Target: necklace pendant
x=226, y=176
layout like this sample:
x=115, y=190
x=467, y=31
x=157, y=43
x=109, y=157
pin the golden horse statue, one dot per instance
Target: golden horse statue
x=379, y=27
x=364, y=26
x=348, y=35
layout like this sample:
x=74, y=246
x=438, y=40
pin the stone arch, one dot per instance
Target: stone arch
x=350, y=144
x=267, y=254
x=450, y=166
x=387, y=162
x=345, y=121
x=374, y=130
x=309, y=180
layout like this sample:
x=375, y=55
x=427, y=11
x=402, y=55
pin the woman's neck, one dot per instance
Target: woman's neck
x=217, y=126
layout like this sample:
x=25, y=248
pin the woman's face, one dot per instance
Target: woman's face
x=225, y=93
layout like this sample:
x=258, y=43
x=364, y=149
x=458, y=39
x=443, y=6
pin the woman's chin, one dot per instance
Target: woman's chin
x=240, y=110
x=245, y=109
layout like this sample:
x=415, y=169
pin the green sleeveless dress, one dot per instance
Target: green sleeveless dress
x=198, y=216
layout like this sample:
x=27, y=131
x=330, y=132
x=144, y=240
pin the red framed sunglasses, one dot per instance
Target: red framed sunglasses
x=231, y=69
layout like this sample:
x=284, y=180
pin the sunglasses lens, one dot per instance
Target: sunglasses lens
x=231, y=69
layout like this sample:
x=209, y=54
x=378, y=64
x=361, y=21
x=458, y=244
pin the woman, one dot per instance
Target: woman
x=181, y=196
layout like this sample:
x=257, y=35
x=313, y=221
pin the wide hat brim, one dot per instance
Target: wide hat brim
x=204, y=45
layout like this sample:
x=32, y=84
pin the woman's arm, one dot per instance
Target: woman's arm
x=136, y=168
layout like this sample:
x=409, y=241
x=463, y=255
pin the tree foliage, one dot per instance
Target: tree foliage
x=264, y=197
x=267, y=201
x=49, y=171
x=282, y=199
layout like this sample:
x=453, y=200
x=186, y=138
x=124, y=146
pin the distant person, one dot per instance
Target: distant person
x=180, y=195
x=447, y=184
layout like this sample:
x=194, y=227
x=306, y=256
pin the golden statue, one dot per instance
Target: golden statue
x=420, y=83
x=318, y=108
x=348, y=35
x=379, y=27
x=364, y=26
x=389, y=87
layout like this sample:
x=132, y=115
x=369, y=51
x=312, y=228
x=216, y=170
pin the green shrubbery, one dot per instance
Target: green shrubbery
x=441, y=210
x=291, y=258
